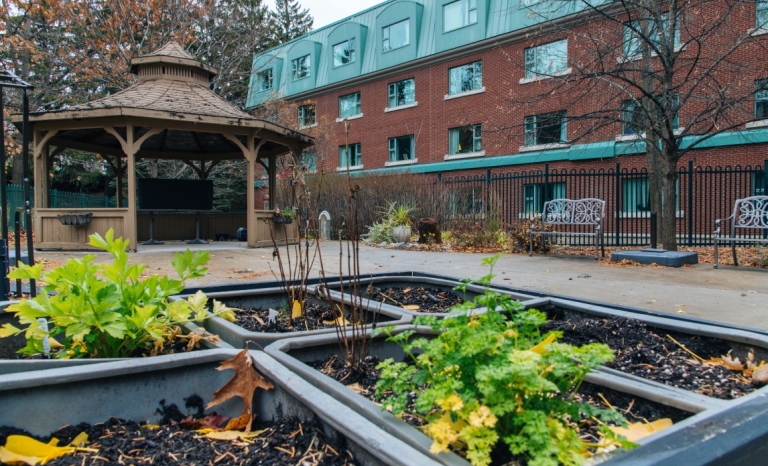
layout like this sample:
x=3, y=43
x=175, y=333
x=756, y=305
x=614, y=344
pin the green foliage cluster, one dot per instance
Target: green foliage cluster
x=109, y=310
x=394, y=215
x=490, y=377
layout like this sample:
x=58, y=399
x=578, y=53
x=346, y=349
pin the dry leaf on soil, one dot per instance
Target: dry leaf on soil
x=229, y=434
x=340, y=321
x=243, y=384
x=639, y=430
x=411, y=307
x=26, y=450
x=296, y=310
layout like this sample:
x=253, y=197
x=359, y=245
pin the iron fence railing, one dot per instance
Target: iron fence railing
x=704, y=194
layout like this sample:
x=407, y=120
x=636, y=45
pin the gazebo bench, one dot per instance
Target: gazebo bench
x=573, y=212
x=748, y=213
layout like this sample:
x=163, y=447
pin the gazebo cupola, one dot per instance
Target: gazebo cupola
x=170, y=112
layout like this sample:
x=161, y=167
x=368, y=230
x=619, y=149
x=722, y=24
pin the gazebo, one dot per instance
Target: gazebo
x=169, y=113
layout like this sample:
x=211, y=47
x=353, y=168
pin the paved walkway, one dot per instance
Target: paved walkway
x=737, y=295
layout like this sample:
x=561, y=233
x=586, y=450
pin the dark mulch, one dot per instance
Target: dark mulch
x=286, y=442
x=363, y=381
x=428, y=299
x=314, y=318
x=647, y=352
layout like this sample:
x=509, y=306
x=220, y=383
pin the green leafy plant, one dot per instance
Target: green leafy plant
x=491, y=377
x=395, y=215
x=109, y=310
x=398, y=215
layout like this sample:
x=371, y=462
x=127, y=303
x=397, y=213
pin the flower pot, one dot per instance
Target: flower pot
x=402, y=233
x=274, y=297
x=296, y=353
x=279, y=218
x=132, y=390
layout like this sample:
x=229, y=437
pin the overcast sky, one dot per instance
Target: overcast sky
x=327, y=11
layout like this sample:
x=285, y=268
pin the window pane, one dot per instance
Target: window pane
x=344, y=53
x=636, y=197
x=758, y=184
x=546, y=59
x=632, y=117
x=396, y=35
x=454, y=15
x=402, y=93
x=309, y=159
x=349, y=105
x=761, y=99
x=301, y=67
x=545, y=129
x=465, y=78
x=633, y=41
x=307, y=115
x=761, y=14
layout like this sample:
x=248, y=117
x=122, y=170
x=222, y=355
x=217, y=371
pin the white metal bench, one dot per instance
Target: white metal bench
x=748, y=213
x=586, y=212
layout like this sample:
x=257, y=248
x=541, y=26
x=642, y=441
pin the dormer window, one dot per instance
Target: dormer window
x=459, y=14
x=264, y=80
x=344, y=53
x=395, y=36
x=301, y=67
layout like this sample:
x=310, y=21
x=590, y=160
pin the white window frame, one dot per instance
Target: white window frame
x=350, y=45
x=356, y=152
x=533, y=120
x=358, y=105
x=394, y=157
x=477, y=69
x=301, y=61
x=469, y=14
x=302, y=116
x=477, y=137
x=386, y=35
x=392, y=94
x=531, y=54
x=269, y=79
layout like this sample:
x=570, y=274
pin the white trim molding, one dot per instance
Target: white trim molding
x=641, y=136
x=400, y=107
x=464, y=94
x=646, y=214
x=542, y=77
x=555, y=145
x=757, y=31
x=756, y=124
x=308, y=126
x=466, y=155
x=352, y=168
x=353, y=117
x=401, y=162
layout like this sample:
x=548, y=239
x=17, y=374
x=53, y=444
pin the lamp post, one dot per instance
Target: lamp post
x=8, y=79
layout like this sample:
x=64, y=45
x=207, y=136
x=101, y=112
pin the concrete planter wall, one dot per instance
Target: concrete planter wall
x=132, y=389
x=295, y=353
x=441, y=283
x=273, y=297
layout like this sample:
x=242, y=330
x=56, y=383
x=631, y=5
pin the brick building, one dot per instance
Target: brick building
x=468, y=88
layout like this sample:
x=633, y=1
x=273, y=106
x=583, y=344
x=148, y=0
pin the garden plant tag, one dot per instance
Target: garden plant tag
x=272, y=317
x=46, y=339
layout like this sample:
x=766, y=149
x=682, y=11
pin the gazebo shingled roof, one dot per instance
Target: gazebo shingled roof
x=169, y=113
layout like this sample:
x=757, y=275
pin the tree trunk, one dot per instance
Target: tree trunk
x=669, y=187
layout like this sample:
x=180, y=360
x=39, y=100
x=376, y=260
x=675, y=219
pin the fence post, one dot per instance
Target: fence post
x=546, y=183
x=689, y=214
x=82, y=200
x=439, y=176
x=618, y=204
x=488, y=193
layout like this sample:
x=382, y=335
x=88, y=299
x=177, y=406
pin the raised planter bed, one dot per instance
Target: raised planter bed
x=645, y=350
x=274, y=298
x=440, y=289
x=134, y=389
x=299, y=354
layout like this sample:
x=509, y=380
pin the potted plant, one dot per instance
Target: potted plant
x=90, y=310
x=285, y=215
x=398, y=218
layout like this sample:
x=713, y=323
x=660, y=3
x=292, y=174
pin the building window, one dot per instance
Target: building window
x=465, y=139
x=351, y=159
x=307, y=115
x=466, y=202
x=309, y=160
x=546, y=60
x=633, y=41
x=531, y=2
x=301, y=67
x=344, y=53
x=401, y=148
x=349, y=105
x=459, y=14
x=264, y=79
x=632, y=117
x=533, y=195
x=636, y=195
x=761, y=99
x=761, y=14
x=548, y=128
x=402, y=93
x=758, y=184
x=465, y=78
x=395, y=36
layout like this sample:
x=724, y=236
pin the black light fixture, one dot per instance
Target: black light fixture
x=8, y=79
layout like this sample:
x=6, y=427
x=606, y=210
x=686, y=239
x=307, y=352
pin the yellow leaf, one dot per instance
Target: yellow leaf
x=9, y=330
x=638, y=430
x=296, y=310
x=541, y=348
x=411, y=307
x=232, y=434
x=23, y=449
x=337, y=321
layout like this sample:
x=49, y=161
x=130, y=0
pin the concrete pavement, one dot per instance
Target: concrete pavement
x=736, y=295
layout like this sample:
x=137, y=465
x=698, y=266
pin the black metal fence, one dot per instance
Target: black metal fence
x=704, y=194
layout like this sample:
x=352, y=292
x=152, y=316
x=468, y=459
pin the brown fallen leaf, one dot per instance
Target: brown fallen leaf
x=211, y=421
x=357, y=388
x=411, y=307
x=638, y=430
x=243, y=384
x=239, y=423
